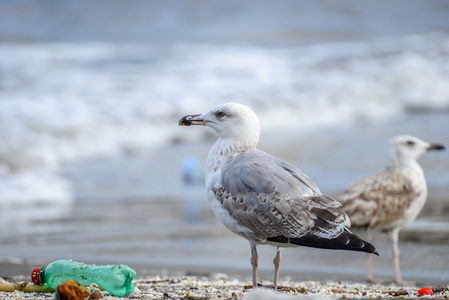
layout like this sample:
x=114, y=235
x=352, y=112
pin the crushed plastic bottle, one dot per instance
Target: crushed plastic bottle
x=115, y=279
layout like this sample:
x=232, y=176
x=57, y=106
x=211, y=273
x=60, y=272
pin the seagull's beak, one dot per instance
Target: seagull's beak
x=191, y=120
x=435, y=147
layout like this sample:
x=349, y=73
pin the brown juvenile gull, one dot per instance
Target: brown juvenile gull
x=264, y=199
x=388, y=201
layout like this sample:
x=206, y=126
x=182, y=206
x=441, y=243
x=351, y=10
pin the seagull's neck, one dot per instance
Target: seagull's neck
x=224, y=149
x=410, y=165
x=227, y=146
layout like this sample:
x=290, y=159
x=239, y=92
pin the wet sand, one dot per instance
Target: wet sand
x=174, y=240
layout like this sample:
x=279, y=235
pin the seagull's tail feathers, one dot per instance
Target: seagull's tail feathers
x=345, y=241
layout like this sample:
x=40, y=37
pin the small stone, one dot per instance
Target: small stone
x=95, y=295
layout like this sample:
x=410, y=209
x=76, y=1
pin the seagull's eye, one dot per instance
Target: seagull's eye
x=410, y=143
x=220, y=114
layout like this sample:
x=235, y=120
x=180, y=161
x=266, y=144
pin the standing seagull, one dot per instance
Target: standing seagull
x=264, y=199
x=388, y=201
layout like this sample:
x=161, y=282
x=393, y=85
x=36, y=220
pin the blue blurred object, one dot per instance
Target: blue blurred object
x=189, y=167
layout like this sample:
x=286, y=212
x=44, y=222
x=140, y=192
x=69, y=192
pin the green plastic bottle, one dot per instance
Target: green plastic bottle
x=115, y=279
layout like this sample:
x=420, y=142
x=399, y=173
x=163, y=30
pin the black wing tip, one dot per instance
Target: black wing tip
x=368, y=247
x=345, y=241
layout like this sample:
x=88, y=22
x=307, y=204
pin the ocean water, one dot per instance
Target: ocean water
x=90, y=99
x=62, y=103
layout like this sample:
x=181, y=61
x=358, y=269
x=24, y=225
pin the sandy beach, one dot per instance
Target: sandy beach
x=222, y=286
x=221, y=270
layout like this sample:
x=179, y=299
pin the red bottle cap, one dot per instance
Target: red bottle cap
x=36, y=276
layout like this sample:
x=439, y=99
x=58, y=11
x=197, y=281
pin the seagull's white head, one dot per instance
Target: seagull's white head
x=232, y=121
x=405, y=149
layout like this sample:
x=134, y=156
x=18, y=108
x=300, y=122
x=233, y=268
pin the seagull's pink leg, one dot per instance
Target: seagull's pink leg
x=254, y=263
x=369, y=270
x=277, y=263
x=397, y=268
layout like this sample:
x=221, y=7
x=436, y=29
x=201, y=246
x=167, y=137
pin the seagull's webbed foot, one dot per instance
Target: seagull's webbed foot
x=374, y=280
x=400, y=281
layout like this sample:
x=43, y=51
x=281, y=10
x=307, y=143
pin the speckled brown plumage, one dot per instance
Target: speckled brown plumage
x=381, y=201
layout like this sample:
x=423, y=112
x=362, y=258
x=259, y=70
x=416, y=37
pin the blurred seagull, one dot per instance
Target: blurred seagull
x=264, y=199
x=388, y=201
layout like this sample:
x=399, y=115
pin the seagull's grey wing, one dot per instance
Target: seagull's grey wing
x=273, y=198
x=262, y=173
x=377, y=201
